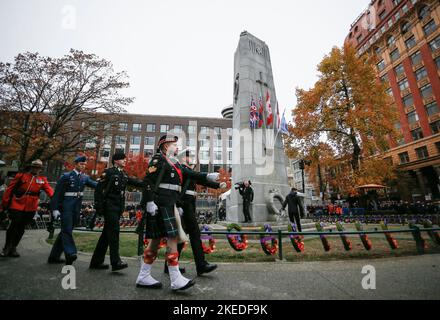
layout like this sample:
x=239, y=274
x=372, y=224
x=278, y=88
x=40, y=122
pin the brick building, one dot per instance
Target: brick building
x=209, y=139
x=404, y=35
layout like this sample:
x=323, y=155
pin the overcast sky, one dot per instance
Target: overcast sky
x=179, y=53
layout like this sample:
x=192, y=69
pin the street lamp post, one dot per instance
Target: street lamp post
x=302, y=166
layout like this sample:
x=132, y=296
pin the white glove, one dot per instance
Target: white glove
x=56, y=214
x=152, y=208
x=223, y=185
x=213, y=177
x=180, y=211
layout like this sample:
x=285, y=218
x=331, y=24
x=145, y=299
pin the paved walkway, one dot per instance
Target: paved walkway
x=29, y=277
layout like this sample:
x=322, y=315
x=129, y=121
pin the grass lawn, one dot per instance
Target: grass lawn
x=313, y=249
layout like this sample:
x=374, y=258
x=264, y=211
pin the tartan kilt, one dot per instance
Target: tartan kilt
x=163, y=225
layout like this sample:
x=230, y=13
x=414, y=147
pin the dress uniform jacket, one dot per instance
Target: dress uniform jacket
x=163, y=183
x=68, y=199
x=23, y=192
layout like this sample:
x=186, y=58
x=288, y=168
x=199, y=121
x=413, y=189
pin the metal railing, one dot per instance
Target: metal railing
x=416, y=233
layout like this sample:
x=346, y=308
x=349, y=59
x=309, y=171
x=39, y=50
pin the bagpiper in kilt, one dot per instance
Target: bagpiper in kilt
x=187, y=204
x=163, y=184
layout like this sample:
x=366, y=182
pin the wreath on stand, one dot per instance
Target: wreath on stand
x=297, y=241
x=269, y=243
x=236, y=241
x=207, y=237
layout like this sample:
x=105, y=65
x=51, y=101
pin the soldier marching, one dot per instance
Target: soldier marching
x=168, y=196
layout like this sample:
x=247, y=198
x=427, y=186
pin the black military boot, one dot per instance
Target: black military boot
x=13, y=253
x=5, y=252
x=119, y=266
x=101, y=266
x=206, y=268
x=70, y=259
x=55, y=260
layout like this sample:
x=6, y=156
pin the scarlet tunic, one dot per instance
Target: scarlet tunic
x=23, y=192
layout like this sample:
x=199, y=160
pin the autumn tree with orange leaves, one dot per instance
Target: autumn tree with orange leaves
x=225, y=176
x=349, y=109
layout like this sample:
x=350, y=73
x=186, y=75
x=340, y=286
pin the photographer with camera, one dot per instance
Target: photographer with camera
x=247, y=193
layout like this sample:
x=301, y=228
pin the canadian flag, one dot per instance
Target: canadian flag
x=269, y=120
x=278, y=116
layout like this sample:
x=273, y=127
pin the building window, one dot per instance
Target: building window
x=218, y=143
x=435, y=44
x=406, y=26
x=204, y=143
x=426, y=91
x=408, y=101
x=204, y=155
x=382, y=15
x=385, y=79
x=151, y=127
x=422, y=153
x=108, y=141
x=204, y=130
x=123, y=126
x=435, y=127
x=404, y=84
x=218, y=155
x=429, y=28
x=164, y=128
x=389, y=92
x=399, y=70
x=391, y=41
x=150, y=141
x=437, y=62
x=191, y=142
x=404, y=157
x=178, y=128
x=121, y=140
x=421, y=74
x=411, y=42
x=135, y=140
x=105, y=153
x=416, y=58
x=218, y=131
x=424, y=12
x=378, y=51
x=432, y=108
x=417, y=134
x=381, y=65
x=137, y=127
x=230, y=155
x=412, y=117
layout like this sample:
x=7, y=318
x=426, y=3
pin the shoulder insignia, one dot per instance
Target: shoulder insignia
x=152, y=169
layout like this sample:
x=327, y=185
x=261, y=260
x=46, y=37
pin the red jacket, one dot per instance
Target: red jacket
x=25, y=197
